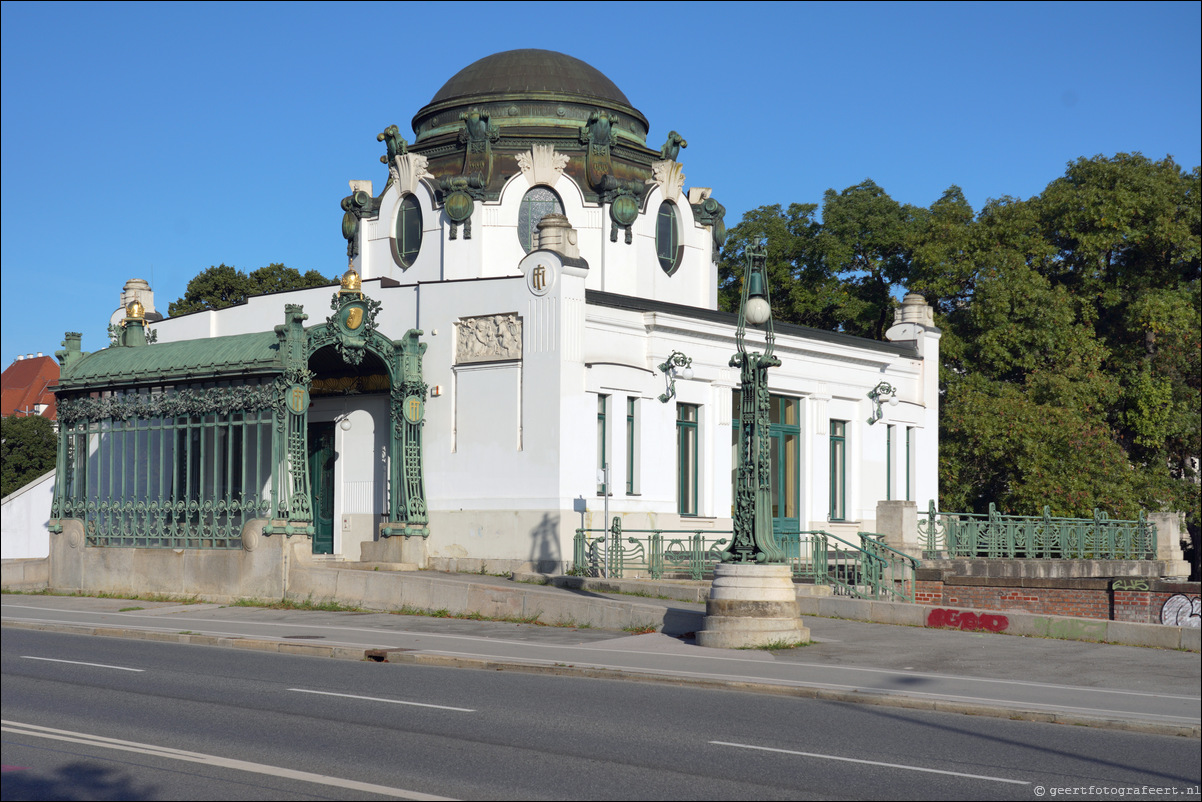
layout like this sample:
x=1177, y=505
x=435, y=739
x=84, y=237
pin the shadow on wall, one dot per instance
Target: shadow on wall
x=545, y=554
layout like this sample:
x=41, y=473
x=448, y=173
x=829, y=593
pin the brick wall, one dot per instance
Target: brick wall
x=1138, y=599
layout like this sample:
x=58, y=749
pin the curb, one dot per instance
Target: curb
x=402, y=656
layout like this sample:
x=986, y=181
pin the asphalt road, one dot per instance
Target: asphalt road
x=212, y=723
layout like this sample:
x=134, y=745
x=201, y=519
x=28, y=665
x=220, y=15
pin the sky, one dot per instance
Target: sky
x=155, y=140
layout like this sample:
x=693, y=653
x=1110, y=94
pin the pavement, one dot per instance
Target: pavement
x=1030, y=678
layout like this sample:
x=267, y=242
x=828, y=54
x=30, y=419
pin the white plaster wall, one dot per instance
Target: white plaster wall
x=24, y=531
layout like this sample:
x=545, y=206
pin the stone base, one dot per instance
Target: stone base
x=397, y=549
x=752, y=605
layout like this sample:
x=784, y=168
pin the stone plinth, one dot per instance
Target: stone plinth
x=752, y=605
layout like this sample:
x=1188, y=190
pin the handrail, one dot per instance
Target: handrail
x=871, y=570
x=994, y=535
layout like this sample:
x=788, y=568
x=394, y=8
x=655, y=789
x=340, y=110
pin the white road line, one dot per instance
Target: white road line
x=390, y=701
x=874, y=763
x=36, y=731
x=401, y=633
x=78, y=663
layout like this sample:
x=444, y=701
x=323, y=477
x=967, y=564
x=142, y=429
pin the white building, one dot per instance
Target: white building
x=543, y=360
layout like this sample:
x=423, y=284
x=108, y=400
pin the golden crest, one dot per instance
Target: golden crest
x=354, y=317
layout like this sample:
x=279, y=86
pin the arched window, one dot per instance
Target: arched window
x=536, y=203
x=407, y=233
x=667, y=242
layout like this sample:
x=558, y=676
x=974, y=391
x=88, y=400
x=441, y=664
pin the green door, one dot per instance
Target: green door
x=321, y=477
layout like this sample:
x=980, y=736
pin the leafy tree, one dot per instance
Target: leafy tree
x=224, y=285
x=29, y=447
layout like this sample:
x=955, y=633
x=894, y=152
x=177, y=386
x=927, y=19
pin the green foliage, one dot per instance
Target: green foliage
x=225, y=285
x=1071, y=326
x=29, y=451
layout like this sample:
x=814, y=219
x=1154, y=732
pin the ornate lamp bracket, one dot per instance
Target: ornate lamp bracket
x=676, y=365
x=884, y=391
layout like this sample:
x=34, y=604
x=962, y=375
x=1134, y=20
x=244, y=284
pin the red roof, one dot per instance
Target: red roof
x=27, y=383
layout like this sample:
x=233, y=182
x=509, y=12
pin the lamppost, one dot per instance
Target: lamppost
x=753, y=540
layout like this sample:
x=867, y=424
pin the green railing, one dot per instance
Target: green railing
x=870, y=570
x=957, y=534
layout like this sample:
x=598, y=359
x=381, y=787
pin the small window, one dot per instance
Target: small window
x=667, y=243
x=407, y=234
x=838, y=511
x=536, y=204
x=686, y=459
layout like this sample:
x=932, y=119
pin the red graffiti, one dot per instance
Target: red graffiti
x=966, y=620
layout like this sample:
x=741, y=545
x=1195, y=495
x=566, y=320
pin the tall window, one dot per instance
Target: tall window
x=537, y=203
x=686, y=459
x=602, y=457
x=838, y=470
x=909, y=463
x=407, y=235
x=667, y=244
x=631, y=462
x=889, y=462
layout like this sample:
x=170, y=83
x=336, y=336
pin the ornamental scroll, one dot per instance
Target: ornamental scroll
x=489, y=338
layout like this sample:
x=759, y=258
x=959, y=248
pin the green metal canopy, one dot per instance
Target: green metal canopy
x=226, y=357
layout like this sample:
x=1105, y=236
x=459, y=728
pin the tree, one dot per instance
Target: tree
x=29, y=448
x=224, y=285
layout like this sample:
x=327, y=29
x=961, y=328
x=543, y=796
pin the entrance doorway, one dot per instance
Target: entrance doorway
x=321, y=474
x=785, y=449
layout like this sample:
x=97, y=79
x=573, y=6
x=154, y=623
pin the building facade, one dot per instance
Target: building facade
x=527, y=331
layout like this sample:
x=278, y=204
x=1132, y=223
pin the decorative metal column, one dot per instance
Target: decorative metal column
x=754, y=541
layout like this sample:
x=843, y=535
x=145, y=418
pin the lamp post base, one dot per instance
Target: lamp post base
x=751, y=606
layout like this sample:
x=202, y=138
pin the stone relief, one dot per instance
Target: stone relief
x=489, y=338
x=670, y=177
x=407, y=169
x=542, y=165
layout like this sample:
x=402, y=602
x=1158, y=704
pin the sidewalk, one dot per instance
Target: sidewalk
x=1039, y=679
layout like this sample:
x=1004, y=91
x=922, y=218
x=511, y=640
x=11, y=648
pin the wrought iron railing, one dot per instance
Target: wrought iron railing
x=870, y=570
x=957, y=534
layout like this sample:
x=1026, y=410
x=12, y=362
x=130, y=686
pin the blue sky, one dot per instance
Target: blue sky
x=154, y=140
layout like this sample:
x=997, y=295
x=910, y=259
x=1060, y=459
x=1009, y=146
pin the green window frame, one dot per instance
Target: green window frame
x=602, y=404
x=407, y=231
x=838, y=508
x=687, y=460
x=537, y=203
x=667, y=237
x=888, y=462
x=631, y=461
x=909, y=457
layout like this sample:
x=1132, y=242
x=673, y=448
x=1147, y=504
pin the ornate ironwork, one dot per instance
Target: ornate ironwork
x=170, y=403
x=676, y=364
x=876, y=395
x=997, y=536
x=754, y=541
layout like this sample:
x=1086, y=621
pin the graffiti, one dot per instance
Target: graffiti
x=966, y=620
x=1181, y=611
x=1130, y=584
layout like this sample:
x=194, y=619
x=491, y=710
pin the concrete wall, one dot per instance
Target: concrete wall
x=259, y=570
x=24, y=516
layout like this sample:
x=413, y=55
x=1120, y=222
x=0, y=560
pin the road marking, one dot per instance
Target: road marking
x=78, y=663
x=873, y=763
x=377, y=699
x=36, y=731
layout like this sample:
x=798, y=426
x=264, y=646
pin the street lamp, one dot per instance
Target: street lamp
x=675, y=365
x=753, y=540
x=875, y=395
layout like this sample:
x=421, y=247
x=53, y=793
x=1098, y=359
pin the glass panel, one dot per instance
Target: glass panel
x=665, y=236
x=409, y=230
x=790, y=478
x=789, y=407
x=774, y=476
x=536, y=204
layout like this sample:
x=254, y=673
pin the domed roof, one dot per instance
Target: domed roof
x=530, y=71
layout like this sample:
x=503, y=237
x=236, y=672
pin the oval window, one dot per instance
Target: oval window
x=667, y=245
x=536, y=204
x=407, y=234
